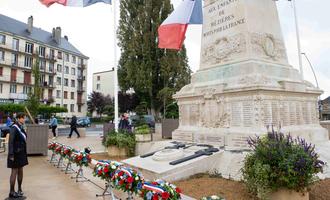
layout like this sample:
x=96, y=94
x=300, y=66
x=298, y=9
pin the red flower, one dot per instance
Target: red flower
x=106, y=170
x=121, y=182
x=178, y=190
x=154, y=183
x=165, y=195
x=130, y=179
x=121, y=173
x=99, y=172
x=155, y=197
x=127, y=186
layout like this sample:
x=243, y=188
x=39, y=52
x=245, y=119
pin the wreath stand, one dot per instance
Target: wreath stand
x=80, y=175
x=108, y=191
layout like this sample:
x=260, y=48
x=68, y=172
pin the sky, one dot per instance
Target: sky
x=90, y=29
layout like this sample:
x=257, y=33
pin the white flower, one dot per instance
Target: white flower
x=137, y=178
x=113, y=167
x=215, y=197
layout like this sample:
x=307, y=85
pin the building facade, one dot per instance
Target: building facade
x=325, y=109
x=63, y=68
x=103, y=82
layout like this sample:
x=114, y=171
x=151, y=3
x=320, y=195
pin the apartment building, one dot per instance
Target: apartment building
x=103, y=82
x=63, y=68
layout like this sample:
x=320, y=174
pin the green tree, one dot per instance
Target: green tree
x=143, y=66
x=33, y=100
x=99, y=103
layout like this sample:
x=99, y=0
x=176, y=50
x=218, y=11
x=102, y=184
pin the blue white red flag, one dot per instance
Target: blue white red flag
x=171, y=32
x=74, y=3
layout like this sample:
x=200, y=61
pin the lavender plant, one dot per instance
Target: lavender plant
x=280, y=161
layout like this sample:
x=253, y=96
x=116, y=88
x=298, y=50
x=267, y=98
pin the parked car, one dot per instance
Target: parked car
x=4, y=130
x=147, y=119
x=83, y=122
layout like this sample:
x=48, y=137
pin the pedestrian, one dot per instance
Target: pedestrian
x=73, y=127
x=53, y=126
x=17, y=155
x=9, y=121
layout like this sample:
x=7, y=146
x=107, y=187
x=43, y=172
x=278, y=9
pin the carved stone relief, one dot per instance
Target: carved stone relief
x=266, y=44
x=223, y=49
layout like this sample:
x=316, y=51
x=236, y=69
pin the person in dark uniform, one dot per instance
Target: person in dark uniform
x=73, y=126
x=17, y=156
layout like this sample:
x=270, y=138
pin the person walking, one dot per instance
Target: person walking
x=9, y=121
x=17, y=155
x=53, y=126
x=73, y=127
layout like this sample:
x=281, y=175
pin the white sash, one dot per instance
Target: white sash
x=20, y=131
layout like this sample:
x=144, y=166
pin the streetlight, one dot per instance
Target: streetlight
x=298, y=38
x=310, y=64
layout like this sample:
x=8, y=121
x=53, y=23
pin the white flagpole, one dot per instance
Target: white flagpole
x=115, y=63
x=298, y=39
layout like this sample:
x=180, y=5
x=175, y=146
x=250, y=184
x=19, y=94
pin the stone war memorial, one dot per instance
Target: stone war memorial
x=243, y=85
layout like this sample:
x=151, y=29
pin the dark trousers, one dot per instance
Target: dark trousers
x=75, y=130
x=54, y=130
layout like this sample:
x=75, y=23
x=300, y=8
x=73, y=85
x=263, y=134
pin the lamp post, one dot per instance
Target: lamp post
x=310, y=64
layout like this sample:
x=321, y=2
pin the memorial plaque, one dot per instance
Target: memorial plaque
x=236, y=110
x=248, y=114
x=237, y=142
x=181, y=136
x=213, y=139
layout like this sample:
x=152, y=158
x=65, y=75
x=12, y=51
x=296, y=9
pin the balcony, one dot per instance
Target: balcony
x=17, y=79
x=80, y=102
x=80, y=77
x=18, y=96
x=47, y=85
x=81, y=89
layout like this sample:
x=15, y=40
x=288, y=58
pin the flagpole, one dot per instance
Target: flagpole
x=298, y=39
x=115, y=63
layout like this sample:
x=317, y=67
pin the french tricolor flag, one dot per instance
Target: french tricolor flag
x=171, y=32
x=74, y=3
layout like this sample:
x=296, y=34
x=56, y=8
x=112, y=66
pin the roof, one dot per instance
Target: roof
x=16, y=27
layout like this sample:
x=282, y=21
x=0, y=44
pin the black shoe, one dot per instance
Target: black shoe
x=69, y=137
x=20, y=193
x=13, y=195
x=78, y=136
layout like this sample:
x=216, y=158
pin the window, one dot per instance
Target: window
x=66, y=82
x=80, y=61
x=59, y=55
x=42, y=80
x=51, y=53
x=65, y=106
x=0, y=87
x=73, y=83
x=58, y=105
x=14, y=59
x=73, y=71
x=72, y=95
x=58, y=93
x=74, y=59
x=59, y=68
x=98, y=78
x=79, y=108
x=2, y=55
x=72, y=108
x=28, y=48
x=13, y=88
x=67, y=57
x=28, y=61
x=42, y=51
x=1, y=71
x=42, y=64
x=66, y=70
x=2, y=39
x=51, y=67
x=15, y=44
x=26, y=89
x=58, y=81
x=51, y=80
x=65, y=94
x=98, y=86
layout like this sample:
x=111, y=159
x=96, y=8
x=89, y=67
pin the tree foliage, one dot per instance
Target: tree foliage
x=99, y=103
x=33, y=100
x=143, y=66
x=127, y=102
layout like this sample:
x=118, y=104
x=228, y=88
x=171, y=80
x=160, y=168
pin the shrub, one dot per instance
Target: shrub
x=279, y=161
x=121, y=139
x=142, y=130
